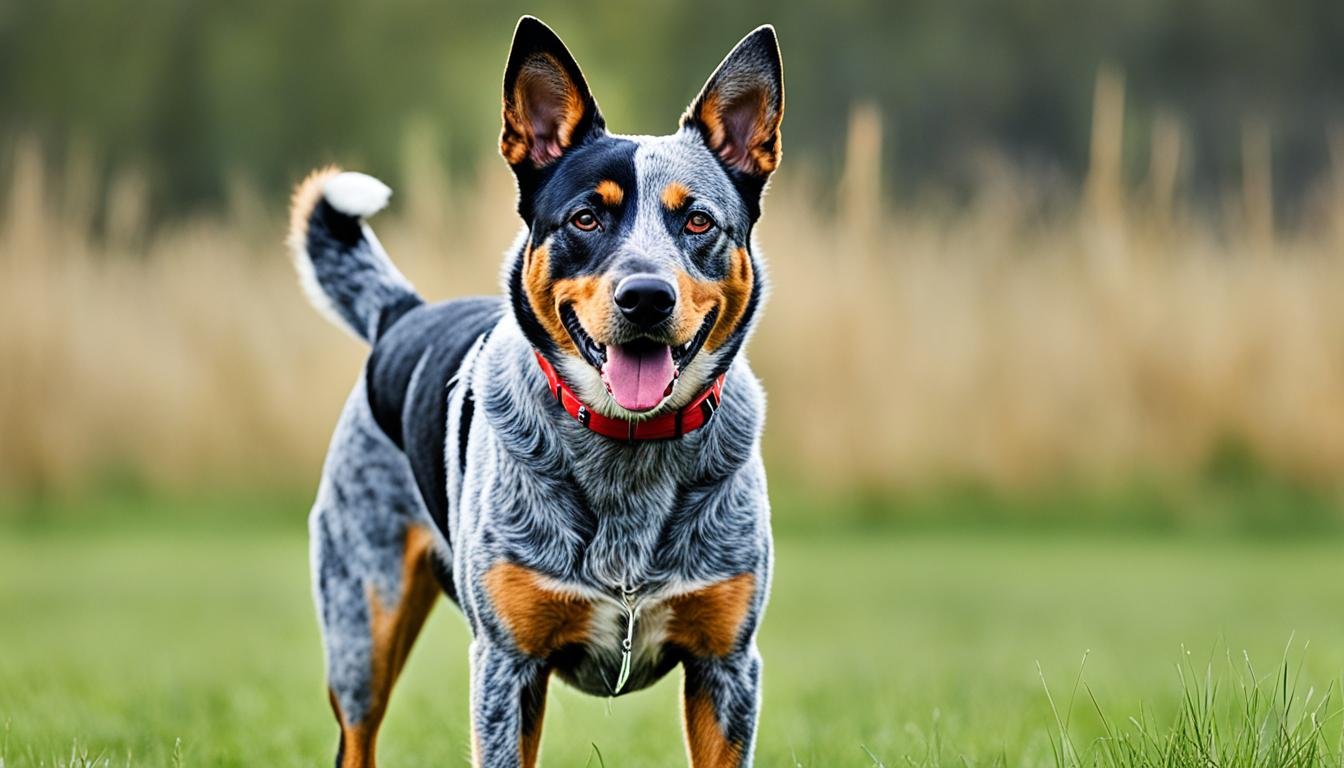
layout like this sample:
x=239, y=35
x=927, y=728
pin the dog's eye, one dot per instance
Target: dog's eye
x=699, y=223
x=585, y=220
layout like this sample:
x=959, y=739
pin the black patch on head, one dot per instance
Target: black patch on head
x=565, y=187
x=547, y=205
x=573, y=186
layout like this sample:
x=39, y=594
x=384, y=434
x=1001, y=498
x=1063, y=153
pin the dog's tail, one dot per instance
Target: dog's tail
x=342, y=266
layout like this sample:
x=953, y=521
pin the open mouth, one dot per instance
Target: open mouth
x=639, y=374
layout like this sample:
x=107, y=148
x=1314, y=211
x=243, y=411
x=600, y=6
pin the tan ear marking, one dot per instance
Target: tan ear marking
x=541, y=113
x=753, y=148
x=739, y=111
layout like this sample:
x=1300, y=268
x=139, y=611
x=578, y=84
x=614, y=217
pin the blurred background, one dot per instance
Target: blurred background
x=1041, y=269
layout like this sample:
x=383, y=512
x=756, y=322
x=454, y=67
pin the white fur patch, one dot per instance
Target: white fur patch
x=356, y=194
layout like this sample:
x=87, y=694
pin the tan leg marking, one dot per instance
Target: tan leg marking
x=541, y=620
x=530, y=745
x=394, y=631
x=706, y=744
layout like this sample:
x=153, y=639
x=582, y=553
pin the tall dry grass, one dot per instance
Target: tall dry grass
x=1011, y=340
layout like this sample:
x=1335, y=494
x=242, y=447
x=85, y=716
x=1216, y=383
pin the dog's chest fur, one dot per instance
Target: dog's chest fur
x=586, y=519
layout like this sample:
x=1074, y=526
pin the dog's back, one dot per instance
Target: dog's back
x=409, y=377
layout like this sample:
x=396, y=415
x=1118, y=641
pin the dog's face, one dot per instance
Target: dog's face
x=637, y=280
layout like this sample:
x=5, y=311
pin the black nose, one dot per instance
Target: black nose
x=645, y=300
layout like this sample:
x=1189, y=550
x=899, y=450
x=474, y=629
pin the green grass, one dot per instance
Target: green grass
x=195, y=645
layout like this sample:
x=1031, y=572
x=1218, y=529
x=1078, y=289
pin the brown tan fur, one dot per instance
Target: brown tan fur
x=305, y=198
x=541, y=73
x=590, y=296
x=529, y=747
x=761, y=154
x=610, y=193
x=706, y=744
x=706, y=622
x=731, y=295
x=394, y=630
x=675, y=195
x=540, y=620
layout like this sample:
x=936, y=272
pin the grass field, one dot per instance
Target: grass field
x=194, y=644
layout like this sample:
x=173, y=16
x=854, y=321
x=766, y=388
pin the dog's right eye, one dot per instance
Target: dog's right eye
x=585, y=221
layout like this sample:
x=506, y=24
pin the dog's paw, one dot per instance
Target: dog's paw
x=356, y=194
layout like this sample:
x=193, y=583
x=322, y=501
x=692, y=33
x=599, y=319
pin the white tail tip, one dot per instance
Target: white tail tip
x=356, y=194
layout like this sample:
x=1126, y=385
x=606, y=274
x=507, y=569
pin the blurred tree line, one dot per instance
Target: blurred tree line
x=198, y=92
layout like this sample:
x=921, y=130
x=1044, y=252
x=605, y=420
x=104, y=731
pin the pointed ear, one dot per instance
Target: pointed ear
x=741, y=106
x=547, y=106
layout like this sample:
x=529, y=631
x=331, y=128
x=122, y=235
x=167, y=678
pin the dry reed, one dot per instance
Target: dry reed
x=1002, y=341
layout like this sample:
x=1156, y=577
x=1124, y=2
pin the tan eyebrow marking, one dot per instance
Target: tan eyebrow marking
x=610, y=192
x=675, y=195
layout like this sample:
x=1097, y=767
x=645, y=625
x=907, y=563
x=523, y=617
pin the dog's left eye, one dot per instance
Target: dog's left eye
x=699, y=223
x=585, y=220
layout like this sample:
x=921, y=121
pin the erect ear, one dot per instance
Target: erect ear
x=739, y=110
x=547, y=106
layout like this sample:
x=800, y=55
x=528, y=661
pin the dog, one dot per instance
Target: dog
x=575, y=463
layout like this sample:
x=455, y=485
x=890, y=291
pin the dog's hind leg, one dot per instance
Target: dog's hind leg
x=373, y=577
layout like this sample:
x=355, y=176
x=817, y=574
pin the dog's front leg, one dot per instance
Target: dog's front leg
x=720, y=698
x=508, y=698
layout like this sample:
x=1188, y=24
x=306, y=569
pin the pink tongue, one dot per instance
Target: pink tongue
x=638, y=378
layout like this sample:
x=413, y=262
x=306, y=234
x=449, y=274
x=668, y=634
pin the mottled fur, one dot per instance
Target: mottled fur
x=453, y=464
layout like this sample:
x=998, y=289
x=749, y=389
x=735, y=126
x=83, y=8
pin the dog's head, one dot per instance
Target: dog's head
x=637, y=280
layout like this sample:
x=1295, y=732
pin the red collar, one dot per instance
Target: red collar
x=667, y=426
